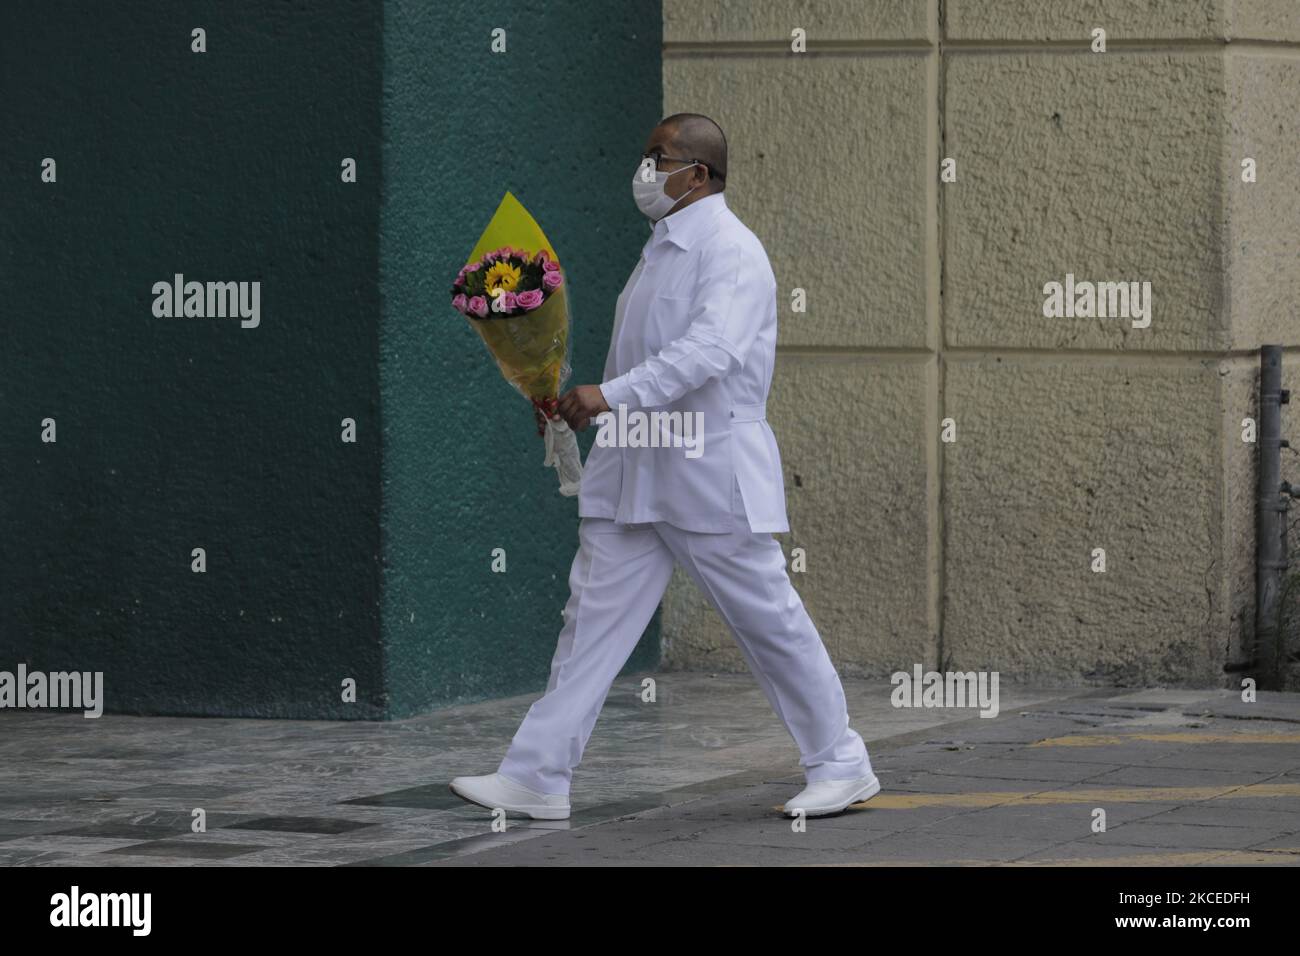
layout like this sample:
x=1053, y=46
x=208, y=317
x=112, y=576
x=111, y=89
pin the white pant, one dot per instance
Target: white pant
x=618, y=578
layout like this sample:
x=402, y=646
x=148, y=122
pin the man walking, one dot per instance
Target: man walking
x=694, y=341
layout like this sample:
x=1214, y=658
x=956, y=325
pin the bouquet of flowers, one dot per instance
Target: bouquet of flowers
x=512, y=292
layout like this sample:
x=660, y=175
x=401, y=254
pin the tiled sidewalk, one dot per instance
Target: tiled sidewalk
x=1184, y=778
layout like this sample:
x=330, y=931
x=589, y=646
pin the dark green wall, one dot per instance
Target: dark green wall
x=182, y=433
x=559, y=119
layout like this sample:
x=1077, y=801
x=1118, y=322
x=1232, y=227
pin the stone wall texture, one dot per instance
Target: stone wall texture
x=925, y=303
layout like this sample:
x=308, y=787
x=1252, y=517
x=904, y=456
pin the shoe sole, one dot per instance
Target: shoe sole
x=535, y=812
x=862, y=796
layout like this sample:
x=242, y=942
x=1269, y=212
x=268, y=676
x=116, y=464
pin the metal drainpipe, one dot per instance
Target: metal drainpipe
x=1272, y=503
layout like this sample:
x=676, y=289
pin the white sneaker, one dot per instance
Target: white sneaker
x=495, y=791
x=832, y=796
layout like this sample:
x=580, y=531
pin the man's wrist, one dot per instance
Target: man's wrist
x=616, y=392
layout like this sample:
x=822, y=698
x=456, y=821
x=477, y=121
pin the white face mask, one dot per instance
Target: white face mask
x=650, y=196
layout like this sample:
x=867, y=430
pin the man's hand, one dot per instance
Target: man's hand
x=579, y=405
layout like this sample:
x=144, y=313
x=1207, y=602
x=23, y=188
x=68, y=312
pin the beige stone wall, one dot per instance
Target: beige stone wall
x=925, y=303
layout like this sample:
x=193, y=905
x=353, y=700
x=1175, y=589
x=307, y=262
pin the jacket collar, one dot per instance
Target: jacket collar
x=684, y=227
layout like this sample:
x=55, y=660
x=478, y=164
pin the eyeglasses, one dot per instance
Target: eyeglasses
x=659, y=158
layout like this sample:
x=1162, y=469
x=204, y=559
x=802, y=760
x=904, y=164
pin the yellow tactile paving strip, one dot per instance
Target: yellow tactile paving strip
x=997, y=798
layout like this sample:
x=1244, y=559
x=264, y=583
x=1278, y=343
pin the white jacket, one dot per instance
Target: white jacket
x=694, y=331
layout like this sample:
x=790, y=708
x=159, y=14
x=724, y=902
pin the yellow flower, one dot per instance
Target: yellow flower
x=502, y=276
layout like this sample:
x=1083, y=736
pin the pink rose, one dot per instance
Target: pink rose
x=550, y=265
x=471, y=267
x=529, y=300
x=478, y=306
x=552, y=280
x=542, y=256
x=460, y=303
x=508, y=301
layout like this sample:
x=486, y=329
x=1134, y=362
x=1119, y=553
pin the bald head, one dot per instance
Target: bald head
x=698, y=137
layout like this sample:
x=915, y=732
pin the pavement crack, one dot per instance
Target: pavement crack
x=1270, y=718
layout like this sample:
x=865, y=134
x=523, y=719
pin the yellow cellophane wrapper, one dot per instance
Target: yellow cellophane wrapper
x=530, y=348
